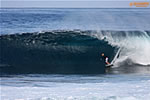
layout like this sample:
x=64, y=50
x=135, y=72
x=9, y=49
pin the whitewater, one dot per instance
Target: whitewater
x=134, y=45
x=76, y=87
x=54, y=54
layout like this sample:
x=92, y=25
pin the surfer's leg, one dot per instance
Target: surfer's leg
x=107, y=63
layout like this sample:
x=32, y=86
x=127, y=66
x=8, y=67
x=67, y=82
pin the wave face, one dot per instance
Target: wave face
x=62, y=52
x=72, y=51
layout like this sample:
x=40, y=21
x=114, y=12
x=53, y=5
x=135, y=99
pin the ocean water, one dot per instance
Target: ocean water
x=76, y=87
x=35, y=20
x=55, y=54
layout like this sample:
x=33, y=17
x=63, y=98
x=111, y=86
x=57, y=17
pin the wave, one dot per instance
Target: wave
x=135, y=45
x=71, y=51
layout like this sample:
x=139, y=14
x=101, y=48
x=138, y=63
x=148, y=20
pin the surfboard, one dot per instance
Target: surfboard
x=109, y=65
x=114, y=59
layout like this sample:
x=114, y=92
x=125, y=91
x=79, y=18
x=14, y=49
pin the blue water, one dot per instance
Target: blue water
x=34, y=20
x=67, y=30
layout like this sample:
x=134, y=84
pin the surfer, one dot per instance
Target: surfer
x=105, y=58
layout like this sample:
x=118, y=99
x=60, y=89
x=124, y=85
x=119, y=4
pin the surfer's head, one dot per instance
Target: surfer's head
x=102, y=54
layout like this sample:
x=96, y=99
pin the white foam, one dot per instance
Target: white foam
x=109, y=87
x=134, y=46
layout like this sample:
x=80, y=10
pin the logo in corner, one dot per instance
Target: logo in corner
x=139, y=4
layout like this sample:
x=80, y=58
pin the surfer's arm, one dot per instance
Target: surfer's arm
x=106, y=60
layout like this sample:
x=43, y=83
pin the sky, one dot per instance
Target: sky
x=68, y=3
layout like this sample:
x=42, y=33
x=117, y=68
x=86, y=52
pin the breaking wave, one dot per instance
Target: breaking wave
x=72, y=51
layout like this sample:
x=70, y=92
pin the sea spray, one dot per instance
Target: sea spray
x=135, y=45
